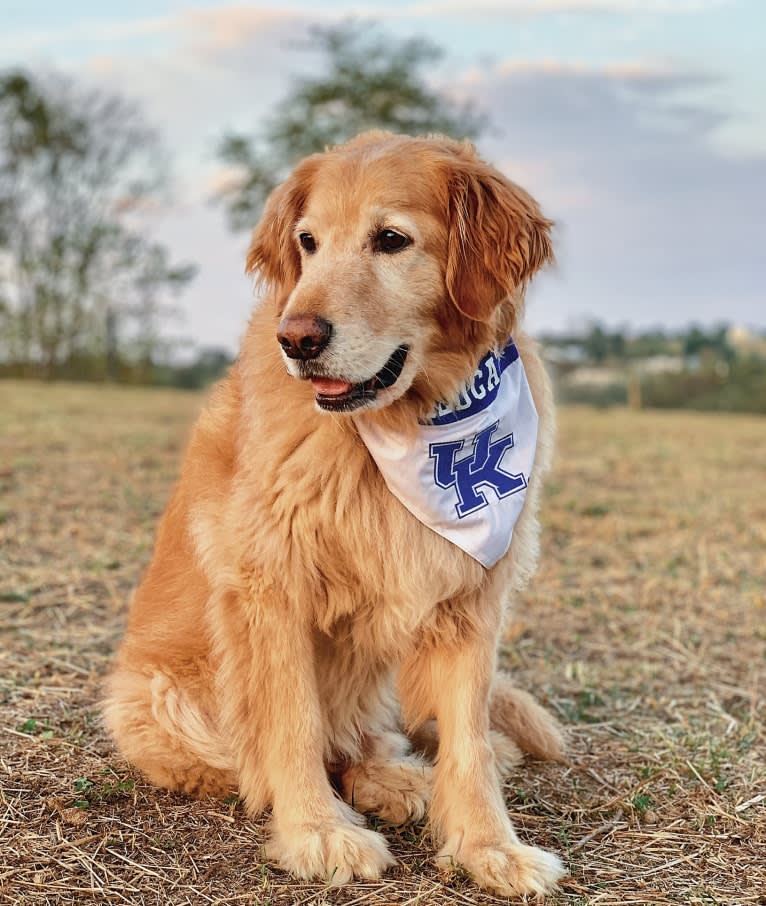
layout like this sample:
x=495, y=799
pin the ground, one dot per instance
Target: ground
x=645, y=631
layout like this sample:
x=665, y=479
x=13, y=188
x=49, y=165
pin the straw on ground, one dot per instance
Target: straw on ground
x=645, y=631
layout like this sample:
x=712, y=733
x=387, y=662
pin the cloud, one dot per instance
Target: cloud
x=23, y=41
x=223, y=179
x=219, y=72
x=224, y=29
x=540, y=8
x=658, y=223
x=229, y=26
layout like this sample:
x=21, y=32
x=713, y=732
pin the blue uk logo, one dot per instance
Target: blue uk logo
x=474, y=476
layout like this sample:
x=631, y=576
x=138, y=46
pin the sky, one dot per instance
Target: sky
x=639, y=125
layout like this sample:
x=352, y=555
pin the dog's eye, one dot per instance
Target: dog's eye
x=308, y=243
x=390, y=241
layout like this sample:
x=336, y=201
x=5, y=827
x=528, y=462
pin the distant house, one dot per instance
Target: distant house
x=565, y=356
x=660, y=364
x=591, y=376
x=745, y=341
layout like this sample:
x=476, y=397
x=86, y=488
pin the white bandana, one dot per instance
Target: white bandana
x=465, y=473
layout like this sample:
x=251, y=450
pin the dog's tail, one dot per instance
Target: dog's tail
x=529, y=725
x=518, y=724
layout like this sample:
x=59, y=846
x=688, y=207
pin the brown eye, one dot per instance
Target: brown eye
x=389, y=241
x=308, y=243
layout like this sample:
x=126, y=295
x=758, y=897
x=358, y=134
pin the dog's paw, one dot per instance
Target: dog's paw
x=334, y=854
x=396, y=791
x=510, y=870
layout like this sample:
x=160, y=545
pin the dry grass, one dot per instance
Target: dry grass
x=645, y=630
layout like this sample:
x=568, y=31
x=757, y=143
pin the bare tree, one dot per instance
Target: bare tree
x=76, y=273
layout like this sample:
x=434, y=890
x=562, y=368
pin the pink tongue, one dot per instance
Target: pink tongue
x=329, y=387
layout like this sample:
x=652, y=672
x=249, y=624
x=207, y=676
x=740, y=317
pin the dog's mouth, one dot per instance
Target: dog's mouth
x=337, y=395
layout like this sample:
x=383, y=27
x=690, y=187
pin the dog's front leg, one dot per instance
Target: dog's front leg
x=449, y=676
x=273, y=716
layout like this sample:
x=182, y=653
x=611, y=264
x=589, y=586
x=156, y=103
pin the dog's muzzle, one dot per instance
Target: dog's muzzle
x=338, y=395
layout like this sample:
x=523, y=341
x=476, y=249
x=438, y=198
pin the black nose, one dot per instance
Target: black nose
x=303, y=336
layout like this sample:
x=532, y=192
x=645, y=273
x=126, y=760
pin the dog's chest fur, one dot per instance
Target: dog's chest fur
x=324, y=520
x=306, y=506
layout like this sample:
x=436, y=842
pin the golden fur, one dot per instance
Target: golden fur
x=296, y=619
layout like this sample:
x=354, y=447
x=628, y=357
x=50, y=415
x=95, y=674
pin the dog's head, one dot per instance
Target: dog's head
x=396, y=263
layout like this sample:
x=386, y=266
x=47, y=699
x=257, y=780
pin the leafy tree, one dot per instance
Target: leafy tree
x=78, y=280
x=652, y=342
x=371, y=80
x=596, y=343
x=208, y=365
x=714, y=342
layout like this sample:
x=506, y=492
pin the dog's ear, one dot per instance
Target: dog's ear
x=273, y=254
x=497, y=237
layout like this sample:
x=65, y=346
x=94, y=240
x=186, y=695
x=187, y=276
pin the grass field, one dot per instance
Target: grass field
x=645, y=630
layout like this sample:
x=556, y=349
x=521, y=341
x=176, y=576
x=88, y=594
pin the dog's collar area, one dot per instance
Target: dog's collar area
x=362, y=393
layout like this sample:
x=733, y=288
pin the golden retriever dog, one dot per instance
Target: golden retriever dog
x=299, y=626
